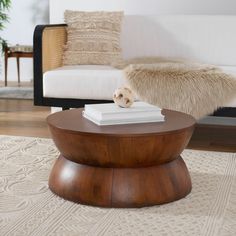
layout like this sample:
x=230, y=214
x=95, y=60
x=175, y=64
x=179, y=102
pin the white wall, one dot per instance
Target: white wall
x=24, y=15
x=143, y=7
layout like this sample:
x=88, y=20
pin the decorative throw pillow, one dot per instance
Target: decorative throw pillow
x=93, y=38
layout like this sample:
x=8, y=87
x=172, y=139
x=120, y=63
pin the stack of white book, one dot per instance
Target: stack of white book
x=111, y=114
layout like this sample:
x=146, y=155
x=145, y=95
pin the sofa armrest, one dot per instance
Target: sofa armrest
x=48, y=51
x=48, y=43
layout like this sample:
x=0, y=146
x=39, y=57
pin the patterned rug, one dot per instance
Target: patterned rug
x=27, y=207
x=16, y=92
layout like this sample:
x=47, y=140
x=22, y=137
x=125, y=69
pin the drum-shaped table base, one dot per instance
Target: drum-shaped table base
x=120, y=187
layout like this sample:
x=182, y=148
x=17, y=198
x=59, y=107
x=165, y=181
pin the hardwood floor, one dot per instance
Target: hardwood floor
x=15, y=84
x=214, y=137
x=21, y=117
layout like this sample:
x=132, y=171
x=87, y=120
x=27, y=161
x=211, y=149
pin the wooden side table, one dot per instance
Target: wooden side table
x=17, y=51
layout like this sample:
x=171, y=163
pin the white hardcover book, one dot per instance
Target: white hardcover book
x=110, y=111
x=124, y=121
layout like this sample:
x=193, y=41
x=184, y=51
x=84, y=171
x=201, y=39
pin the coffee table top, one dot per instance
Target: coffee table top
x=73, y=121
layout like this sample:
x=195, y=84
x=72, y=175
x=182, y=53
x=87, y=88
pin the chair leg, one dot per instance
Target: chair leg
x=6, y=65
x=18, y=69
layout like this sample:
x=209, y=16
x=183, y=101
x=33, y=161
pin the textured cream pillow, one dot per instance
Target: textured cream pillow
x=93, y=38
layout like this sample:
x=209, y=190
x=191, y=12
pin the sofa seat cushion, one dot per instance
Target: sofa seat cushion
x=92, y=82
x=82, y=82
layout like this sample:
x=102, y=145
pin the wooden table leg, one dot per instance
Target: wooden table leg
x=18, y=68
x=6, y=61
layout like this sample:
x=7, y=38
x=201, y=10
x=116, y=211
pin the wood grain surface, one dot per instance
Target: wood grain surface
x=121, y=165
x=120, y=187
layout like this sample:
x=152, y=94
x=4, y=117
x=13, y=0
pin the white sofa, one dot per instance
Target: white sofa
x=206, y=39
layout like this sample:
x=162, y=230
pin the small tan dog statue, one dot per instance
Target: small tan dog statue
x=123, y=97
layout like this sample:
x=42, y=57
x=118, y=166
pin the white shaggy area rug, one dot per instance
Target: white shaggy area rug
x=27, y=207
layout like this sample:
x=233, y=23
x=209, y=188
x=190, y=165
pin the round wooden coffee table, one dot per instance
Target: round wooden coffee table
x=131, y=165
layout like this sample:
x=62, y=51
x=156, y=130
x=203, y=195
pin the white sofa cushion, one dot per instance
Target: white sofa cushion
x=91, y=82
x=205, y=38
x=229, y=69
x=82, y=81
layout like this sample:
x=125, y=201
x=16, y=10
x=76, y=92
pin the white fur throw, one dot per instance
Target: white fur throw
x=192, y=88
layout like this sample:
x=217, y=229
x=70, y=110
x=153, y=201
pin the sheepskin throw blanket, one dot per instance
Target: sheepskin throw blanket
x=188, y=87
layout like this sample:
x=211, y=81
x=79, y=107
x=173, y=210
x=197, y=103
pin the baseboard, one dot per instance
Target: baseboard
x=216, y=120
